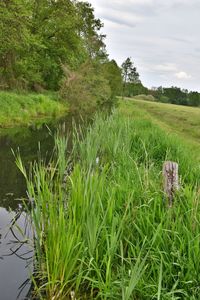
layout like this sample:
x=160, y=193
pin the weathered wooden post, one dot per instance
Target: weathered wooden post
x=171, y=180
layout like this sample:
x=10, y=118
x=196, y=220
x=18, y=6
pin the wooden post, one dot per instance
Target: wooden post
x=171, y=180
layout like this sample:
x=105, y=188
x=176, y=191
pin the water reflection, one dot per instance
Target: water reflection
x=16, y=250
x=16, y=255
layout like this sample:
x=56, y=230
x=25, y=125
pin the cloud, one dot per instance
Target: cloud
x=160, y=36
x=166, y=67
x=133, y=12
x=129, y=19
x=182, y=75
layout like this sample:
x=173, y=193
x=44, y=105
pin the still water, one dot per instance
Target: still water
x=16, y=249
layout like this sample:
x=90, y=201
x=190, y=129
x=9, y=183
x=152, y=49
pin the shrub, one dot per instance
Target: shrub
x=145, y=97
x=86, y=88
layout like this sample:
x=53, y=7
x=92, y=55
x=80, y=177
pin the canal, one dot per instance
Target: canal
x=16, y=244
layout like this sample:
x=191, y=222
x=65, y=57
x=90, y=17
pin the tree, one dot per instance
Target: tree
x=134, y=89
x=37, y=37
x=129, y=74
x=112, y=73
x=86, y=88
x=56, y=25
x=89, y=31
x=14, y=41
x=194, y=99
x=176, y=95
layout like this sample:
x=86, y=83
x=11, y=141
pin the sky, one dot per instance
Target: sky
x=161, y=36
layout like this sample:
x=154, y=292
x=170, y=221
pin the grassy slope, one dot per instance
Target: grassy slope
x=106, y=230
x=178, y=119
x=21, y=109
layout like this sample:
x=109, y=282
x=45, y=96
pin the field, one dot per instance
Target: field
x=23, y=109
x=183, y=120
x=104, y=229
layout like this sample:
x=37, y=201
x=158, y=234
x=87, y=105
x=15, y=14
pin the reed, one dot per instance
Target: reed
x=103, y=231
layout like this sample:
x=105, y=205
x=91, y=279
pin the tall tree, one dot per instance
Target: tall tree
x=129, y=73
x=14, y=39
x=194, y=99
x=89, y=31
x=56, y=25
x=112, y=73
x=38, y=37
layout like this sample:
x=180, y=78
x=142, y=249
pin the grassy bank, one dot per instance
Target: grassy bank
x=183, y=120
x=23, y=109
x=105, y=231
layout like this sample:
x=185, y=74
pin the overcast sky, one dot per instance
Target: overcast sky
x=161, y=36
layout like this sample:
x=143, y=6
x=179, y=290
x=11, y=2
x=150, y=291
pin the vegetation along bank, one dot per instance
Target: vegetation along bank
x=104, y=229
x=56, y=46
x=26, y=108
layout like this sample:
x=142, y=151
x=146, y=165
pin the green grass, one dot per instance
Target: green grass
x=183, y=120
x=105, y=231
x=23, y=109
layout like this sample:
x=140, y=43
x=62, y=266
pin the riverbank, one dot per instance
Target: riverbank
x=24, y=109
x=183, y=120
x=104, y=227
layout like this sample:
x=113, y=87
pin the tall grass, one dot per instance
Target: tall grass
x=21, y=108
x=184, y=120
x=104, y=231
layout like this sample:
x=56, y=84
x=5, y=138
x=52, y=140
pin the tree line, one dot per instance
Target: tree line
x=176, y=95
x=132, y=86
x=57, y=45
x=39, y=36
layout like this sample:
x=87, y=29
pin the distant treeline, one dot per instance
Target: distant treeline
x=132, y=86
x=176, y=95
x=173, y=95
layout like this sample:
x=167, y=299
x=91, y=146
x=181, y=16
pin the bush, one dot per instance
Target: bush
x=164, y=99
x=86, y=88
x=145, y=97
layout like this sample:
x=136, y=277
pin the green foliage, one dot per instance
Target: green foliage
x=89, y=30
x=130, y=78
x=129, y=72
x=56, y=25
x=185, y=121
x=176, y=95
x=22, y=109
x=37, y=37
x=194, y=99
x=104, y=231
x=163, y=99
x=14, y=41
x=134, y=89
x=92, y=86
x=113, y=74
x=145, y=97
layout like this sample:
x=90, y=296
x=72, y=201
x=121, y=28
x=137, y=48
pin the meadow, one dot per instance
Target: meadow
x=103, y=228
x=27, y=108
x=183, y=120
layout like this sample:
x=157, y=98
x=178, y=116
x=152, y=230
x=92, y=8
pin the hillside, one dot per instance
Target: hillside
x=182, y=120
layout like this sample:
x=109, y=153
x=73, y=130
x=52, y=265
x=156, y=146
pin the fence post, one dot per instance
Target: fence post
x=171, y=180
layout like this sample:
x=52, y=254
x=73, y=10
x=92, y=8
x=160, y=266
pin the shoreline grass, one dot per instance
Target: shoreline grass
x=104, y=231
x=24, y=109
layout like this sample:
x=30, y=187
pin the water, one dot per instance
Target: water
x=16, y=249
